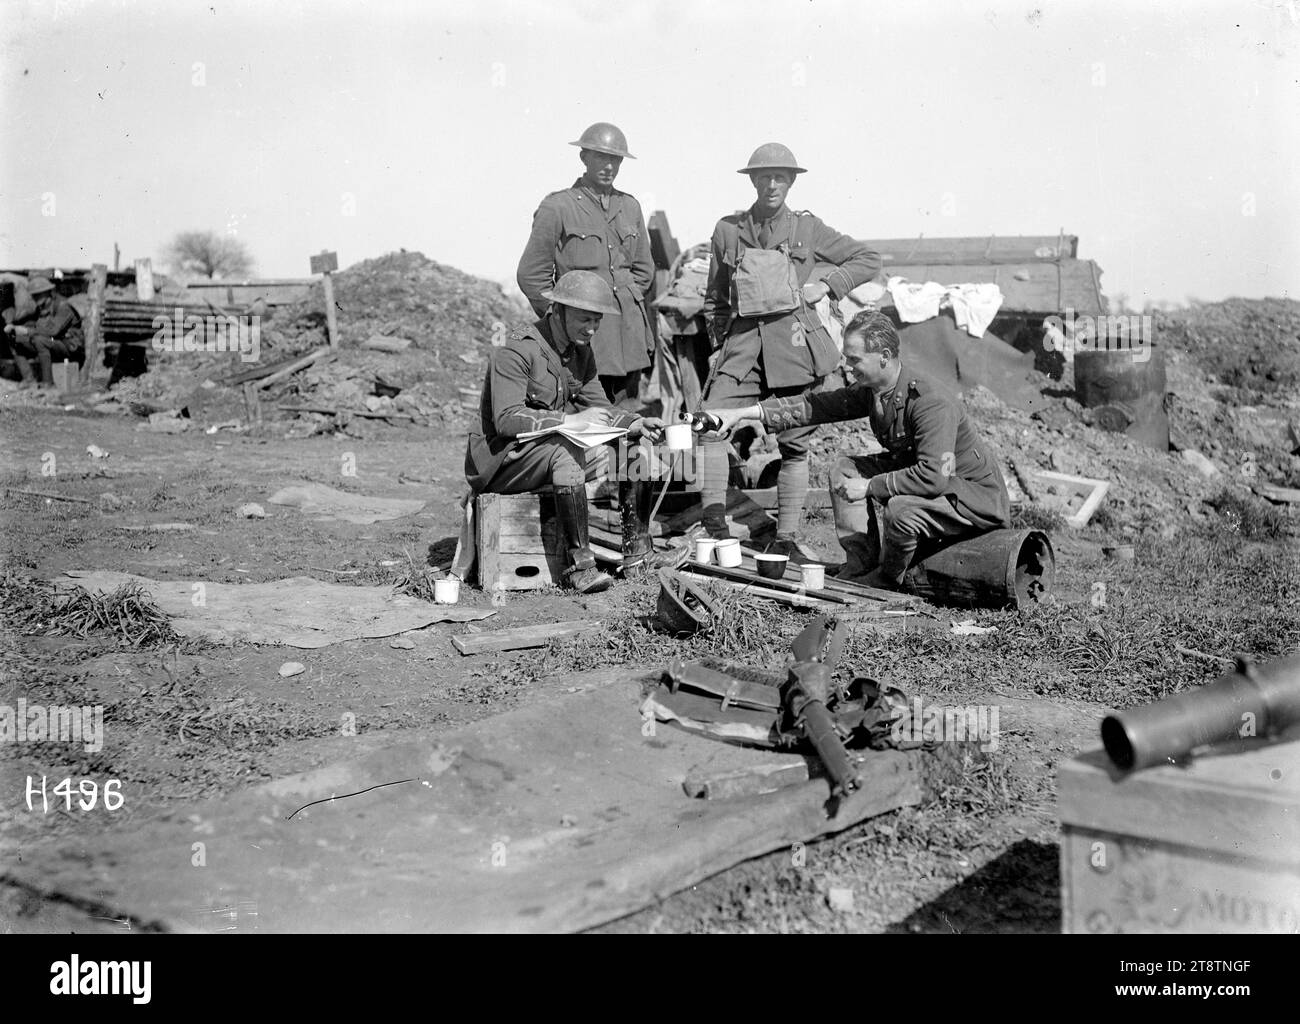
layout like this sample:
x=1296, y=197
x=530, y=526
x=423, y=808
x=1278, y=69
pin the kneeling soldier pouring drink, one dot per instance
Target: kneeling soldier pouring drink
x=935, y=479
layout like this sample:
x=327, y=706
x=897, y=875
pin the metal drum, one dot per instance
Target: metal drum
x=999, y=569
x=1125, y=388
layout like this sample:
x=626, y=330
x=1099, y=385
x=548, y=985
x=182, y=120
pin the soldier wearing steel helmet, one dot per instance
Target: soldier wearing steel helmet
x=544, y=376
x=51, y=332
x=770, y=268
x=593, y=226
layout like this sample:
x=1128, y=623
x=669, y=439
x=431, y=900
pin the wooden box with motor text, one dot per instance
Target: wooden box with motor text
x=518, y=543
x=1211, y=846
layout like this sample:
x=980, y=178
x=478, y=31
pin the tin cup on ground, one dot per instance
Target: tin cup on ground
x=728, y=552
x=814, y=576
x=704, y=549
x=446, y=590
x=771, y=567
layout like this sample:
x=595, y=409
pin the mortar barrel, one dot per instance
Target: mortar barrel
x=1251, y=701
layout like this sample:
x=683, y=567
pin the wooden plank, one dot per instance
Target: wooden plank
x=526, y=537
x=487, y=526
x=94, y=320
x=319, y=355
x=753, y=578
x=522, y=637
x=794, y=600
x=664, y=249
x=1026, y=287
x=981, y=249
x=331, y=312
x=527, y=571
x=144, y=279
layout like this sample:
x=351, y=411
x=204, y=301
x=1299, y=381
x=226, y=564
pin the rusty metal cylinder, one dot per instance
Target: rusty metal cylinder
x=999, y=569
x=1124, y=386
x=1251, y=701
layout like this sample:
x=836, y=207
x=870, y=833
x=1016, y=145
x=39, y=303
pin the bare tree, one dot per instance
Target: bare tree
x=207, y=253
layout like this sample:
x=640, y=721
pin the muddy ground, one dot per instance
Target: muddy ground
x=192, y=720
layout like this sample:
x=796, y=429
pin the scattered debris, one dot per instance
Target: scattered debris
x=1200, y=463
x=521, y=637
x=328, y=503
x=384, y=343
x=402, y=643
x=49, y=495
x=110, y=501
x=967, y=627
x=250, y=510
x=840, y=900
x=292, y=668
x=96, y=452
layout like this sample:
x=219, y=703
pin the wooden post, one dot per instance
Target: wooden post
x=331, y=320
x=323, y=264
x=94, y=320
x=144, y=280
x=117, y=256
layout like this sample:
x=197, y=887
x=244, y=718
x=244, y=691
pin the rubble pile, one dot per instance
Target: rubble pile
x=1252, y=345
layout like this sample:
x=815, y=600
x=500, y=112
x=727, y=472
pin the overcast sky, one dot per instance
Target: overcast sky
x=1165, y=135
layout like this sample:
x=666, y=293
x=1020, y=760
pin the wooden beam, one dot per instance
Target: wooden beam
x=270, y=282
x=144, y=279
x=331, y=315
x=794, y=600
x=521, y=637
x=94, y=320
x=298, y=364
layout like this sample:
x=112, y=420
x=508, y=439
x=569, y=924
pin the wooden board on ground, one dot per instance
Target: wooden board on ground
x=557, y=816
x=521, y=637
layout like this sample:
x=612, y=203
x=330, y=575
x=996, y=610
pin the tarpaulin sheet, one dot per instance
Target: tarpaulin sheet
x=298, y=612
x=556, y=816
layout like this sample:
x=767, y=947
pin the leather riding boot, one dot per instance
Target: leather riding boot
x=635, y=502
x=571, y=519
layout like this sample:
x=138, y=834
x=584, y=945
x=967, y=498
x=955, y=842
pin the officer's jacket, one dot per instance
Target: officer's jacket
x=790, y=355
x=929, y=442
x=572, y=231
x=530, y=386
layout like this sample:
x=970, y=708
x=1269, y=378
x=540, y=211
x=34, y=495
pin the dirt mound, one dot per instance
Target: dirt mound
x=1249, y=344
x=406, y=295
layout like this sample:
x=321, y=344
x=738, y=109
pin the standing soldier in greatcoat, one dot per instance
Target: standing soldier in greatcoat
x=593, y=226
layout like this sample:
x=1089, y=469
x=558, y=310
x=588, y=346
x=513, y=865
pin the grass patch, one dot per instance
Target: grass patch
x=127, y=615
x=1252, y=518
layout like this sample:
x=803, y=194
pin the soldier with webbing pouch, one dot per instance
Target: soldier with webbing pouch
x=770, y=267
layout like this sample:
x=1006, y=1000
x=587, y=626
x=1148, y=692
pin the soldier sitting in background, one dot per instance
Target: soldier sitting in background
x=936, y=477
x=545, y=376
x=52, y=332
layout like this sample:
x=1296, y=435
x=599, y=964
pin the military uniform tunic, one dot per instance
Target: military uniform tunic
x=932, y=449
x=530, y=385
x=574, y=230
x=771, y=345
